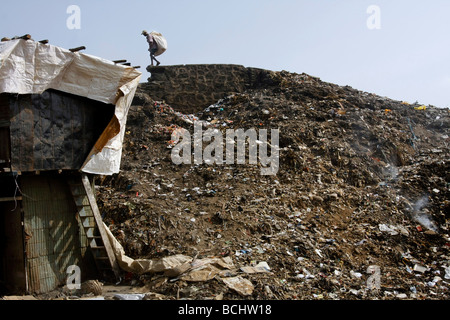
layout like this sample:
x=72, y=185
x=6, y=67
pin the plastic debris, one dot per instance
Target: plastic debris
x=420, y=268
x=240, y=285
x=260, y=267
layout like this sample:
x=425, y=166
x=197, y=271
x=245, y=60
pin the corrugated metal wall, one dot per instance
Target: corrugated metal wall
x=54, y=233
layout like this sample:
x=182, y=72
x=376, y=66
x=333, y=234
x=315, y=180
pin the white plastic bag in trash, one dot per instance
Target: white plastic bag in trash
x=129, y=296
x=447, y=273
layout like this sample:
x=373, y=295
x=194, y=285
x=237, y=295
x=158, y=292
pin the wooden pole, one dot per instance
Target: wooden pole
x=77, y=49
x=25, y=37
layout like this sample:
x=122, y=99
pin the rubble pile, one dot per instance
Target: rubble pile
x=359, y=208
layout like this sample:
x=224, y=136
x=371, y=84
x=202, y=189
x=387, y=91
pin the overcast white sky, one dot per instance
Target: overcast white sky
x=406, y=59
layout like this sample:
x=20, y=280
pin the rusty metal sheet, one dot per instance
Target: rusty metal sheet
x=54, y=242
x=5, y=150
x=21, y=131
x=54, y=130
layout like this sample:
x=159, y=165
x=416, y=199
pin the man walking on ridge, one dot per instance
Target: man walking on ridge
x=153, y=46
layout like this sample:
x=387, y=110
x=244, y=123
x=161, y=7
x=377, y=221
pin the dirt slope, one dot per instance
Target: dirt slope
x=363, y=181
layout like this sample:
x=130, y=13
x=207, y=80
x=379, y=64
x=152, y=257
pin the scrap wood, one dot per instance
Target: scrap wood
x=77, y=49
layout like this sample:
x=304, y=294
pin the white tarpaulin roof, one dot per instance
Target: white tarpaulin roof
x=29, y=67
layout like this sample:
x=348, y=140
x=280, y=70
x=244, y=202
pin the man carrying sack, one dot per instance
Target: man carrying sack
x=157, y=45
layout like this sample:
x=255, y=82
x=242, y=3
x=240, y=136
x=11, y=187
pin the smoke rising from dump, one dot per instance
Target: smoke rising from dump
x=421, y=216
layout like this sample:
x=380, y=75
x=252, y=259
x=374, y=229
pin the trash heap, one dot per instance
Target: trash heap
x=359, y=208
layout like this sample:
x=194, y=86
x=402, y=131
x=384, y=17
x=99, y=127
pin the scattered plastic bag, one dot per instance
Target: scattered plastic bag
x=447, y=273
x=261, y=267
x=129, y=296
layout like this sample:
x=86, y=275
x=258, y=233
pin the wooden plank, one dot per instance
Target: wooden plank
x=77, y=49
x=99, y=222
x=4, y=123
x=24, y=37
x=8, y=199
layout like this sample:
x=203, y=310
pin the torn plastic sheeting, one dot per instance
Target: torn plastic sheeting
x=107, y=161
x=191, y=270
x=19, y=72
x=96, y=158
x=29, y=67
x=141, y=266
x=207, y=268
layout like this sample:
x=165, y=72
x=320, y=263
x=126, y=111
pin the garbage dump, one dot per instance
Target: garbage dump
x=359, y=208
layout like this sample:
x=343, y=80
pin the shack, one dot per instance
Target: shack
x=62, y=122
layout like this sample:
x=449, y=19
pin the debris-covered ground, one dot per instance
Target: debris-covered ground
x=361, y=195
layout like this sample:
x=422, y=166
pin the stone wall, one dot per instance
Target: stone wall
x=191, y=88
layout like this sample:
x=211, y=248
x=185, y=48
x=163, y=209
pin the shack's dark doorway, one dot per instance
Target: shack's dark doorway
x=12, y=263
